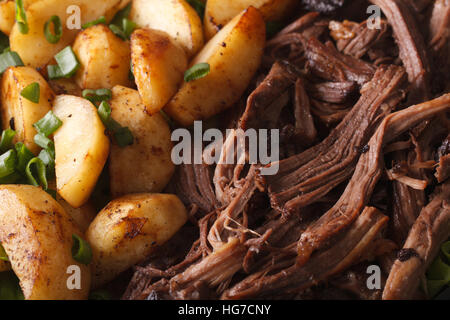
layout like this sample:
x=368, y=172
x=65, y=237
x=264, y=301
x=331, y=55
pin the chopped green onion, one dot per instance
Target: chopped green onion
x=11, y=179
x=9, y=59
x=9, y=286
x=128, y=27
x=32, y=92
x=24, y=155
x=100, y=295
x=131, y=74
x=122, y=135
x=48, y=158
x=100, y=20
x=8, y=162
x=54, y=72
x=198, y=71
x=67, y=62
x=3, y=255
x=6, y=140
x=42, y=141
x=198, y=6
x=121, y=14
x=97, y=95
x=48, y=124
x=4, y=42
x=21, y=17
x=52, y=193
x=39, y=170
x=118, y=31
x=57, y=26
x=81, y=250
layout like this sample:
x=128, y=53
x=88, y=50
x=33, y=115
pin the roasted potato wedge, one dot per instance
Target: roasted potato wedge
x=7, y=16
x=176, y=17
x=104, y=59
x=145, y=166
x=234, y=55
x=81, y=147
x=219, y=12
x=36, y=233
x=18, y=112
x=65, y=86
x=33, y=47
x=128, y=229
x=158, y=67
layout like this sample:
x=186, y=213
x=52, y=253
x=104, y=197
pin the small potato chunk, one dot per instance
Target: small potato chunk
x=33, y=47
x=176, y=17
x=18, y=112
x=130, y=228
x=36, y=234
x=234, y=55
x=104, y=59
x=145, y=166
x=219, y=12
x=158, y=67
x=7, y=16
x=81, y=148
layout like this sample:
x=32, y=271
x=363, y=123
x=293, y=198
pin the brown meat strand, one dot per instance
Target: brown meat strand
x=341, y=255
x=367, y=174
x=304, y=123
x=308, y=176
x=430, y=230
x=332, y=92
x=410, y=41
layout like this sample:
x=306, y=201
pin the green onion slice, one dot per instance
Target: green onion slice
x=24, y=155
x=32, y=92
x=3, y=255
x=42, y=141
x=122, y=135
x=128, y=27
x=97, y=95
x=9, y=59
x=36, y=167
x=118, y=32
x=6, y=140
x=101, y=20
x=67, y=62
x=54, y=72
x=8, y=162
x=21, y=17
x=81, y=250
x=121, y=14
x=4, y=42
x=198, y=71
x=198, y=6
x=9, y=287
x=48, y=124
x=57, y=26
x=52, y=193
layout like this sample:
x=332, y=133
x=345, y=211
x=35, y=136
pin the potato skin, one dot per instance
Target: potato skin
x=234, y=55
x=104, y=59
x=81, y=147
x=158, y=67
x=219, y=12
x=24, y=112
x=130, y=228
x=175, y=17
x=36, y=233
x=33, y=47
x=145, y=166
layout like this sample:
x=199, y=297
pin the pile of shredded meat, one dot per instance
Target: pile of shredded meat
x=364, y=173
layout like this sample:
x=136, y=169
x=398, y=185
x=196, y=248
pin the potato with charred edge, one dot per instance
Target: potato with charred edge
x=175, y=17
x=104, y=59
x=234, y=55
x=33, y=47
x=18, y=112
x=146, y=165
x=130, y=228
x=218, y=12
x=158, y=67
x=81, y=148
x=36, y=234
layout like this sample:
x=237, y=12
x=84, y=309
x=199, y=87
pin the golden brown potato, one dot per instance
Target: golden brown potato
x=176, y=17
x=7, y=16
x=81, y=147
x=234, y=55
x=33, y=47
x=36, y=234
x=19, y=112
x=104, y=59
x=219, y=12
x=158, y=67
x=65, y=86
x=145, y=166
x=128, y=229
